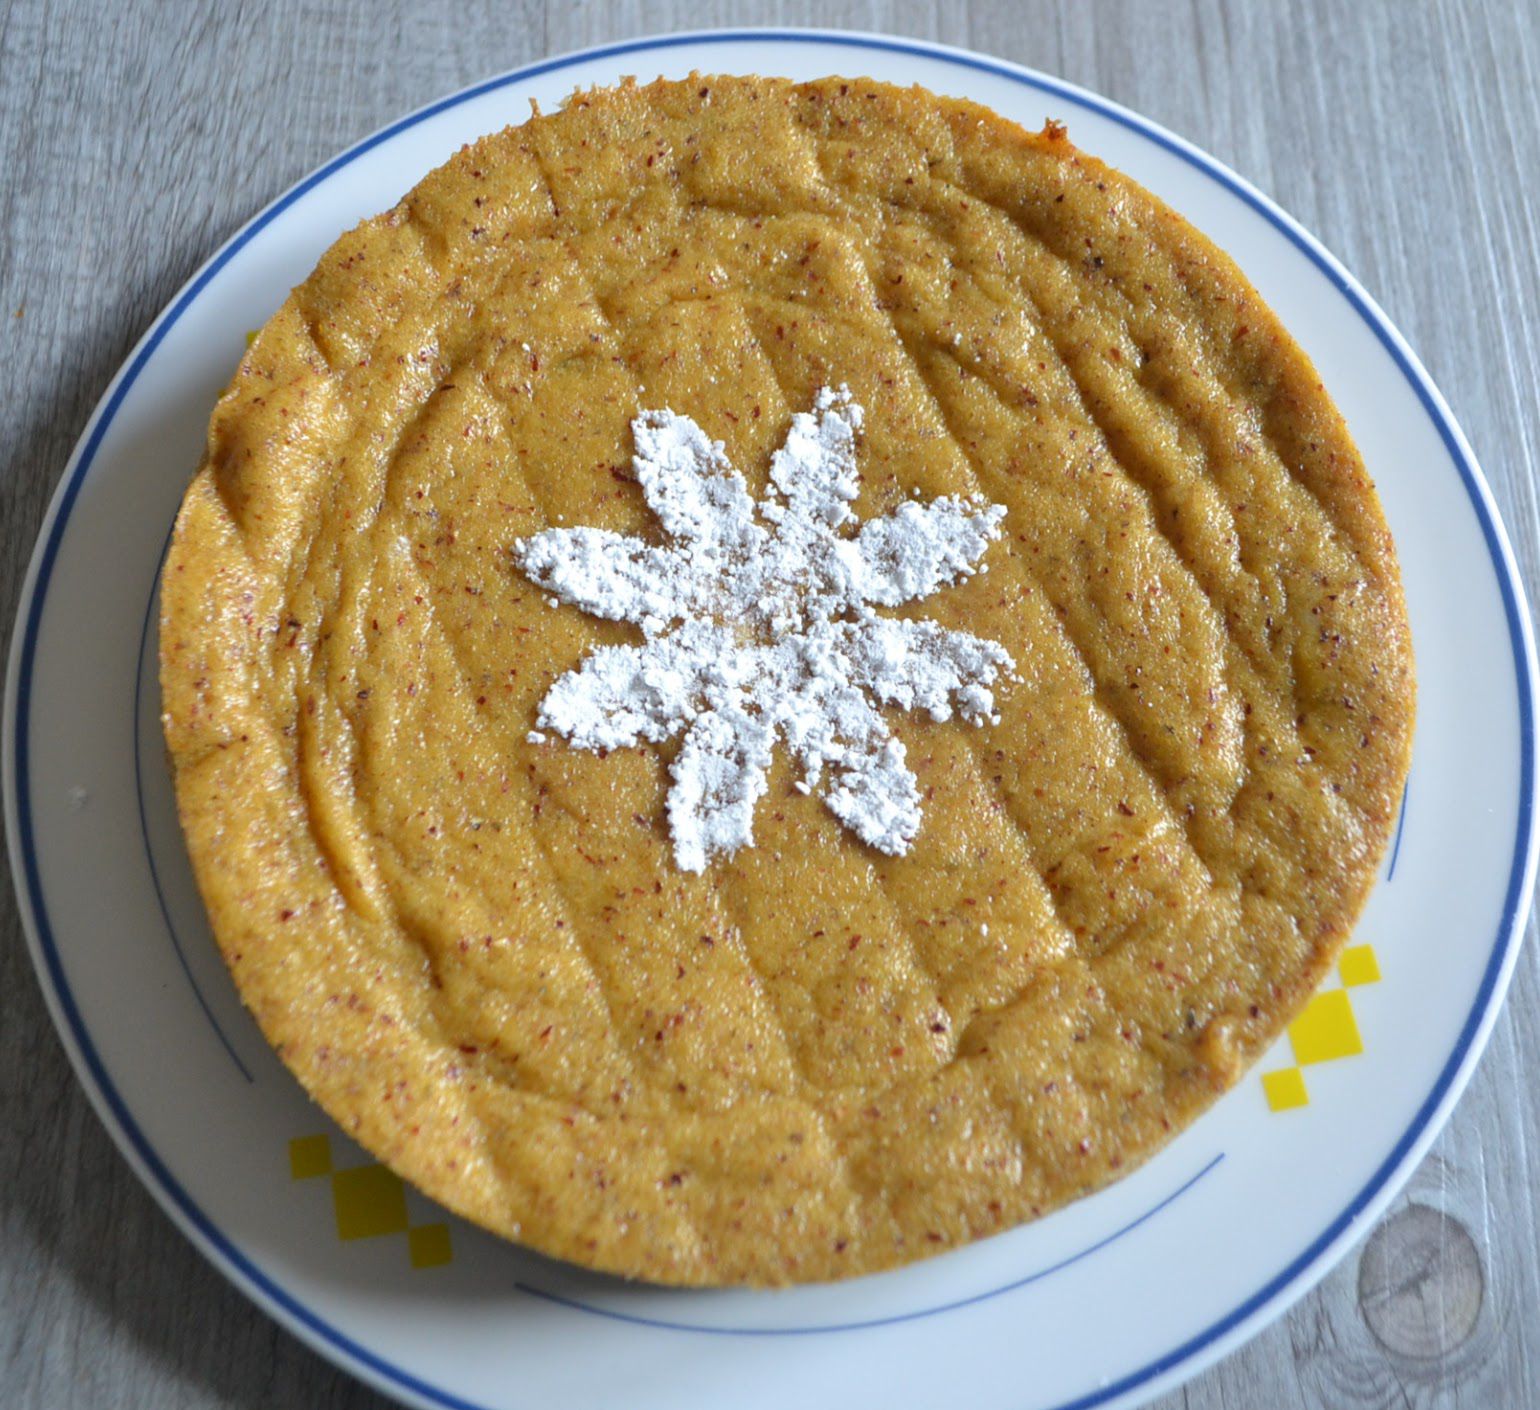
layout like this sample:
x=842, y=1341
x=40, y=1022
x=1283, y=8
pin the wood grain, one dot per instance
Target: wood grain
x=135, y=137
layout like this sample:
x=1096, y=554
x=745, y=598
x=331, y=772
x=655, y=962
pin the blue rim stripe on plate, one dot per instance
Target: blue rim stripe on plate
x=274, y=1297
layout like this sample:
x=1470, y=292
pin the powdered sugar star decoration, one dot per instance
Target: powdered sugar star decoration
x=762, y=627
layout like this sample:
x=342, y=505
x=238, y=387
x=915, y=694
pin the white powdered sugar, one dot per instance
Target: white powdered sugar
x=758, y=626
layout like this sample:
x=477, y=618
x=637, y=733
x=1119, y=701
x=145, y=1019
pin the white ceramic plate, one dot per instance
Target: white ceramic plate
x=1104, y=1303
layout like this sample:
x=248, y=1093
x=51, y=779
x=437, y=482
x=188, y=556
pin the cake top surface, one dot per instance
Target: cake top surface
x=1140, y=819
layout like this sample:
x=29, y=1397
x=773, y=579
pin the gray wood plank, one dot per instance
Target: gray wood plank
x=134, y=137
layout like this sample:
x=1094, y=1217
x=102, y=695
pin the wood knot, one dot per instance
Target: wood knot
x=1420, y=1284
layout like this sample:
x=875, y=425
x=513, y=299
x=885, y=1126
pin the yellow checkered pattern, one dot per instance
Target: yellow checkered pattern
x=1325, y=1029
x=368, y=1202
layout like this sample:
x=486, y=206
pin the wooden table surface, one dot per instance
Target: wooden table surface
x=134, y=137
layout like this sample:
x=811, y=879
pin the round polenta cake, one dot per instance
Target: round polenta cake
x=1004, y=946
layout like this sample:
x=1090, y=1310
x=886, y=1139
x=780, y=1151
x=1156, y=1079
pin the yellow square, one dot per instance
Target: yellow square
x=310, y=1156
x=1326, y=1029
x=429, y=1245
x=1358, y=965
x=251, y=336
x=1285, y=1089
x=368, y=1201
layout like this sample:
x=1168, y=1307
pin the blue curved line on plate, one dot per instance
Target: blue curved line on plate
x=1395, y=850
x=1037, y=1277
x=235, y=1261
x=144, y=829
x=559, y=1298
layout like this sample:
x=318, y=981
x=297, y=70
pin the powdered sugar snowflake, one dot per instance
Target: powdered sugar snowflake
x=761, y=626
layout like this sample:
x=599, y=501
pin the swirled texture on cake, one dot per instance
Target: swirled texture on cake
x=812, y=1060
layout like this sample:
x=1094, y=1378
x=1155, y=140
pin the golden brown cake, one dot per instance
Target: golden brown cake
x=899, y=1015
